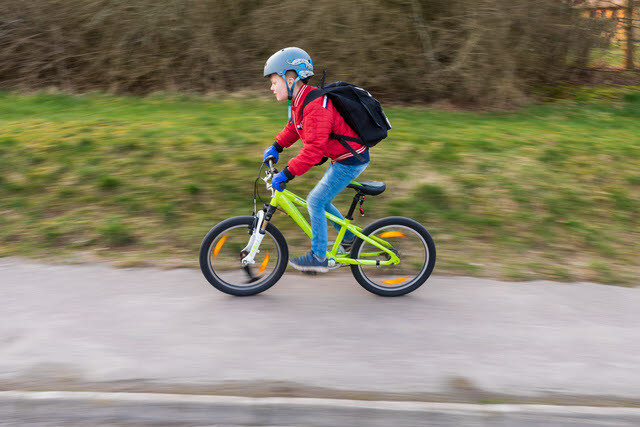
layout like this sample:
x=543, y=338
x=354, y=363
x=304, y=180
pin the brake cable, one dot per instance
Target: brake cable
x=255, y=190
x=256, y=193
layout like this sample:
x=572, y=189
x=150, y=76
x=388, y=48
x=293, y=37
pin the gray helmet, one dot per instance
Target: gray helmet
x=290, y=58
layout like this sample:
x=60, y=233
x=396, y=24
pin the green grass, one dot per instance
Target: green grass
x=551, y=191
x=614, y=55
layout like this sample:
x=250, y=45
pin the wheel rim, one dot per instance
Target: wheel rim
x=412, y=250
x=224, y=259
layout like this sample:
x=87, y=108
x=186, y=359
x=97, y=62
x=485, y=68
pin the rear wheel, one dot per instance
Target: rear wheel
x=413, y=245
x=221, y=255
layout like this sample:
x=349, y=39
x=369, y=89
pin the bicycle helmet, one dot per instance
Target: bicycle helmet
x=289, y=59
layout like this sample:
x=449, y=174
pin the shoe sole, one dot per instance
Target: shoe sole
x=304, y=268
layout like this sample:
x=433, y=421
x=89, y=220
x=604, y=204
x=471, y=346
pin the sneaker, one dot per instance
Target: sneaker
x=310, y=263
x=346, y=244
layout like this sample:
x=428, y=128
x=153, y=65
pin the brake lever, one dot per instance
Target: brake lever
x=270, y=174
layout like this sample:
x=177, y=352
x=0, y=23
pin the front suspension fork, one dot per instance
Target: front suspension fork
x=257, y=234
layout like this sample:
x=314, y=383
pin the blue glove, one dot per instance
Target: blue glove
x=279, y=178
x=271, y=151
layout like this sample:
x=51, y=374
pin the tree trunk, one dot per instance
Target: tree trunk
x=629, y=32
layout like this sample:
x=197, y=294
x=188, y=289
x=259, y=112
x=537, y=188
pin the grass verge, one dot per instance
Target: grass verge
x=551, y=191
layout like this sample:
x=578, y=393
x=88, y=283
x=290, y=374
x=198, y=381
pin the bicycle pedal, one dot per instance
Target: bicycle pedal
x=333, y=264
x=309, y=273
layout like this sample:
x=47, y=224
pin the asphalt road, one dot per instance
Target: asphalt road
x=97, y=326
x=139, y=409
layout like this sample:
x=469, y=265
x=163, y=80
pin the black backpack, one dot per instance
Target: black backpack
x=361, y=111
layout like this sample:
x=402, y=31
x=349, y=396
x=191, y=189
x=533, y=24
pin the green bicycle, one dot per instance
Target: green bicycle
x=246, y=255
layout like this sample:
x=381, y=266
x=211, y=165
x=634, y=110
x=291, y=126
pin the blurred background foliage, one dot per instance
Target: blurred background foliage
x=545, y=191
x=487, y=52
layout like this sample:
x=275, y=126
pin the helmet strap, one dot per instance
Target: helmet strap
x=290, y=92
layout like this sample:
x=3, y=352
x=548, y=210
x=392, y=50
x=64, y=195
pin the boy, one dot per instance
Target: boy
x=289, y=71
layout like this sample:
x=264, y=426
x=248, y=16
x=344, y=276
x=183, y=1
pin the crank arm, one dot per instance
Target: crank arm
x=252, y=277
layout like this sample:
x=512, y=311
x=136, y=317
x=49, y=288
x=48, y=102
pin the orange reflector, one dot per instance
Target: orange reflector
x=391, y=234
x=395, y=281
x=216, y=250
x=263, y=266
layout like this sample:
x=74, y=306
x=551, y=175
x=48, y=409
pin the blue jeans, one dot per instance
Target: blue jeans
x=335, y=179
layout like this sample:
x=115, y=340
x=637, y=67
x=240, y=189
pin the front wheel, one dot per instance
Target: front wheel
x=410, y=241
x=221, y=256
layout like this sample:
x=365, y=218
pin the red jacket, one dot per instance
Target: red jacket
x=320, y=118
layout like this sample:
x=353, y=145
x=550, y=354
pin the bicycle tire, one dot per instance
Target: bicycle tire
x=216, y=277
x=408, y=228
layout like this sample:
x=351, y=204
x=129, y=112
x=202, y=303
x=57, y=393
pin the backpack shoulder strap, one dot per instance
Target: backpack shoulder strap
x=312, y=96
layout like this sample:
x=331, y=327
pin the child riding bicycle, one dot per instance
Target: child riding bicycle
x=289, y=71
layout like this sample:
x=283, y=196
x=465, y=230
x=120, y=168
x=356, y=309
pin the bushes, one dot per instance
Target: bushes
x=478, y=51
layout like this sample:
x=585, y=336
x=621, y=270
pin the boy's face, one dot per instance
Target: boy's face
x=278, y=87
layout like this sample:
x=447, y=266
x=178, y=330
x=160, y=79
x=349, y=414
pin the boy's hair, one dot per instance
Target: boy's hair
x=292, y=73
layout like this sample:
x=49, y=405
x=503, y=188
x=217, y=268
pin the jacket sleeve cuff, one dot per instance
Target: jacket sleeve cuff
x=278, y=147
x=287, y=173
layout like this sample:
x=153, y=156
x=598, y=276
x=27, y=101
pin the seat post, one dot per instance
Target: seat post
x=354, y=203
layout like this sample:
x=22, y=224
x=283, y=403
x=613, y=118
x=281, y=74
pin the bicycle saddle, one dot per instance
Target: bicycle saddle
x=372, y=188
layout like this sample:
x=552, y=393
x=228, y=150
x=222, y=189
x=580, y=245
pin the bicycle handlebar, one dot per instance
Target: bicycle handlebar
x=270, y=161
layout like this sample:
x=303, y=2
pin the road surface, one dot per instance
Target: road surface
x=93, y=327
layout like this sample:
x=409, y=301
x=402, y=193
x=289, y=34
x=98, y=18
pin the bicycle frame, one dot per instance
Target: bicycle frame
x=287, y=200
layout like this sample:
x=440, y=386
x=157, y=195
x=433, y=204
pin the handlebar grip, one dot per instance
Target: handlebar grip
x=270, y=161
